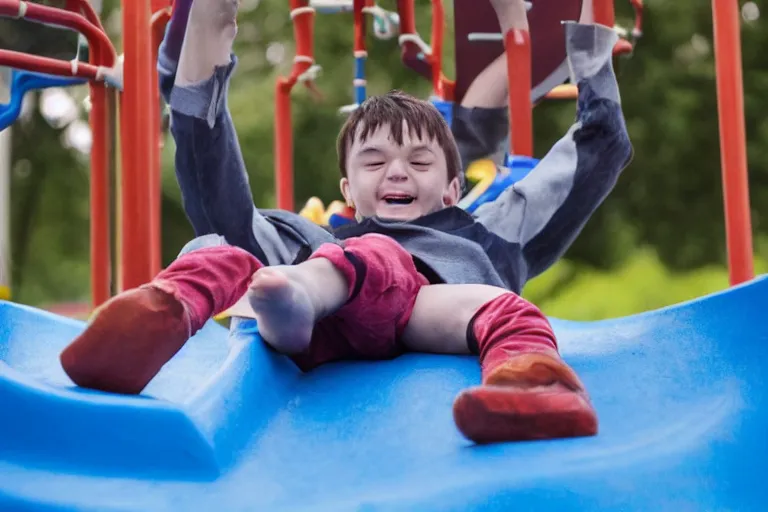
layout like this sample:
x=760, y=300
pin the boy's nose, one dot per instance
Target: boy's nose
x=396, y=172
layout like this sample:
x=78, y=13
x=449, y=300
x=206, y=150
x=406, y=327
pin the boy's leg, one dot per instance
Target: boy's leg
x=134, y=334
x=361, y=295
x=527, y=391
x=350, y=301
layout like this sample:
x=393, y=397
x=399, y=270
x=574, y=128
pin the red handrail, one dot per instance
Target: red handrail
x=48, y=65
x=62, y=18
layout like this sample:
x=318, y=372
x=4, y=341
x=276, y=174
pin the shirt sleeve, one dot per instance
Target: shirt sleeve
x=211, y=173
x=545, y=211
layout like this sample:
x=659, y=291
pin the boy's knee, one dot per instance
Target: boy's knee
x=382, y=275
x=387, y=264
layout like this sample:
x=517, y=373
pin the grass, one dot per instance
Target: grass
x=643, y=283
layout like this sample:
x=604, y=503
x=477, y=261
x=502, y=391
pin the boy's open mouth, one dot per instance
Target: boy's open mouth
x=399, y=199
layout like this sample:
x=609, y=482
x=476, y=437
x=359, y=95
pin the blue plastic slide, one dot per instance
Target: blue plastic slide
x=229, y=425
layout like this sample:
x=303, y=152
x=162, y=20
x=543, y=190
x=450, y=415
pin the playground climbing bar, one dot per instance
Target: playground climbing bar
x=733, y=145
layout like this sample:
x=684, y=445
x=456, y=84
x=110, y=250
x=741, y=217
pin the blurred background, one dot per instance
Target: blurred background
x=658, y=239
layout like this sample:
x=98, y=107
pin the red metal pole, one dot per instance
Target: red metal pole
x=604, y=12
x=518, y=47
x=136, y=146
x=158, y=23
x=46, y=65
x=303, y=32
x=407, y=15
x=99, y=190
x=733, y=148
x=360, y=25
x=436, y=40
x=283, y=145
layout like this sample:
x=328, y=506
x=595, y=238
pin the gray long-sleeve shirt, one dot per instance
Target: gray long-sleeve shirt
x=505, y=243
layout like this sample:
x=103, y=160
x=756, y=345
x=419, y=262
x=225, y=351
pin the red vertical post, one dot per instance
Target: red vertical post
x=303, y=33
x=518, y=47
x=604, y=12
x=136, y=146
x=283, y=145
x=733, y=146
x=100, y=250
x=157, y=30
x=405, y=10
x=436, y=40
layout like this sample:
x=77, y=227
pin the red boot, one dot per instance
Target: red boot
x=528, y=392
x=134, y=334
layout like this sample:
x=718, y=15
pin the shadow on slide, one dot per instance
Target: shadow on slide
x=230, y=425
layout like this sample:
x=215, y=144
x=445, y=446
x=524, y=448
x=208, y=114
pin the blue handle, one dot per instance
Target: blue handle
x=24, y=81
x=519, y=167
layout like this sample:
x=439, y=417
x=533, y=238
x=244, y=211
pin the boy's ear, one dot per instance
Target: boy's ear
x=344, y=187
x=452, y=193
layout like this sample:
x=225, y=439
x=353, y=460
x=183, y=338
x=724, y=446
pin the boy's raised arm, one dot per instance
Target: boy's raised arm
x=194, y=78
x=546, y=210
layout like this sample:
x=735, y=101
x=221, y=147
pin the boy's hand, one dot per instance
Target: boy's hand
x=208, y=40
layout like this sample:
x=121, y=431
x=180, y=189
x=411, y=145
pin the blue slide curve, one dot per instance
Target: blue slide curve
x=229, y=425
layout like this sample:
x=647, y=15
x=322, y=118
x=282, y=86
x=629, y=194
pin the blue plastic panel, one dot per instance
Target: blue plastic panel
x=230, y=425
x=21, y=83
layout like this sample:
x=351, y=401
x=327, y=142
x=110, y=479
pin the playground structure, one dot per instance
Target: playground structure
x=233, y=425
x=116, y=83
x=134, y=236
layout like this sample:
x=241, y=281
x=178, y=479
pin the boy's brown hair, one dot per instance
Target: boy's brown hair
x=392, y=109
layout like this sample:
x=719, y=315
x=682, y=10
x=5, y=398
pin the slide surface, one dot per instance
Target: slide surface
x=230, y=425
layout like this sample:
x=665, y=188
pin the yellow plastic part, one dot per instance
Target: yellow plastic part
x=482, y=172
x=313, y=210
x=5, y=293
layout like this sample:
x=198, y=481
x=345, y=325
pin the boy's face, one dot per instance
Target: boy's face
x=397, y=182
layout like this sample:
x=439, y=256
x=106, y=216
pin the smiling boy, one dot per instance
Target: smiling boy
x=415, y=273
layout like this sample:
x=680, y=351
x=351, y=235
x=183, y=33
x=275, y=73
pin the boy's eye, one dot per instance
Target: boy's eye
x=420, y=164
